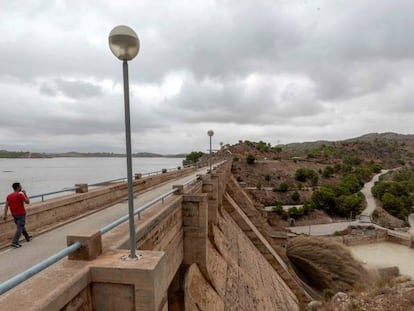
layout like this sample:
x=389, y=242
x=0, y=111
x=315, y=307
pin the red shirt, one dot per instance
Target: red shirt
x=16, y=203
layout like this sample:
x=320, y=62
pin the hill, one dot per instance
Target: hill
x=325, y=176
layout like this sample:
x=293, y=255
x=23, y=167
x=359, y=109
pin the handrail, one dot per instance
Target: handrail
x=138, y=211
x=25, y=275
x=42, y=195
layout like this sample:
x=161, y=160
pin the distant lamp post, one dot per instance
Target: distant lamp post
x=124, y=44
x=210, y=133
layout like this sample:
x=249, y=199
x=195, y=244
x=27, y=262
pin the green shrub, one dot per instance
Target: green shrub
x=250, y=159
x=283, y=187
x=327, y=293
x=295, y=196
x=328, y=171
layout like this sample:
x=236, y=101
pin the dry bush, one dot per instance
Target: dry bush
x=325, y=264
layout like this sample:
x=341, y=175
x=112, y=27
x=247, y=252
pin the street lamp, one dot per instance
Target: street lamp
x=124, y=44
x=210, y=133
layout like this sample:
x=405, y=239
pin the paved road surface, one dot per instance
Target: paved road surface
x=328, y=229
x=14, y=261
x=323, y=229
x=369, y=198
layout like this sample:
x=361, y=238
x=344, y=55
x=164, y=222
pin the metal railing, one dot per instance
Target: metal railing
x=138, y=212
x=43, y=195
x=25, y=275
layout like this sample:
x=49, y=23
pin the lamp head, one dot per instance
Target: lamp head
x=123, y=42
x=210, y=133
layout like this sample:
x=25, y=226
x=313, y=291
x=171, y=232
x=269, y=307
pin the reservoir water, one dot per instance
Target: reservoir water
x=53, y=174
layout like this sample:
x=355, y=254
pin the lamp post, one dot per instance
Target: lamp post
x=210, y=133
x=124, y=44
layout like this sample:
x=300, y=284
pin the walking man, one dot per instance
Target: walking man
x=15, y=201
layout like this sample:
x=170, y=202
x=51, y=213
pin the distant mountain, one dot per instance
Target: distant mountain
x=382, y=136
x=301, y=148
x=390, y=150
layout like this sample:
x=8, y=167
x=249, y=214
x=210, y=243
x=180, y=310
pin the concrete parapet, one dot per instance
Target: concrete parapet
x=127, y=284
x=110, y=282
x=48, y=214
x=52, y=289
x=91, y=245
x=180, y=189
x=81, y=188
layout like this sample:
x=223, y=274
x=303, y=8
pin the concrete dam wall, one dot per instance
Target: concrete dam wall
x=193, y=255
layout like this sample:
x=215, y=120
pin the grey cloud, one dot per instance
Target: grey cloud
x=350, y=56
x=73, y=89
x=230, y=101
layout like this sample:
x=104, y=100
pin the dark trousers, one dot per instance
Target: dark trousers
x=20, y=221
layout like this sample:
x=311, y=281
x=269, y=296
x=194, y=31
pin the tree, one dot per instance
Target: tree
x=324, y=199
x=304, y=174
x=301, y=174
x=347, y=204
x=391, y=203
x=283, y=187
x=192, y=157
x=328, y=171
x=295, y=196
x=376, y=168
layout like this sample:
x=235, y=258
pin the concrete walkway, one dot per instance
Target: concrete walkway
x=14, y=261
x=369, y=198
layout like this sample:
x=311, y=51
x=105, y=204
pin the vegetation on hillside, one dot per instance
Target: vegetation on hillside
x=192, y=157
x=397, y=195
x=327, y=176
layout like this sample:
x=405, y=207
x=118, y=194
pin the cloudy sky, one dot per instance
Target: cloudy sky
x=274, y=70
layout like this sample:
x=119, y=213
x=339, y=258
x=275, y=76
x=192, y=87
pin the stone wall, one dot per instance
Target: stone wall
x=365, y=235
x=239, y=277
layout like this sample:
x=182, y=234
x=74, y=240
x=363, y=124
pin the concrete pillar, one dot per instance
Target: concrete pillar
x=91, y=245
x=180, y=189
x=120, y=283
x=221, y=187
x=210, y=187
x=195, y=227
x=81, y=188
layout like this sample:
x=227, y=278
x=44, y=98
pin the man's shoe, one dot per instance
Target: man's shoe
x=15, y=245
x=29, y=238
